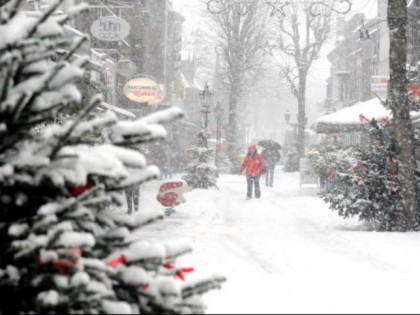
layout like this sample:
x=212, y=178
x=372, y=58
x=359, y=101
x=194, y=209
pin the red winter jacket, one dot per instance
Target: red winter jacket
x=254, y=165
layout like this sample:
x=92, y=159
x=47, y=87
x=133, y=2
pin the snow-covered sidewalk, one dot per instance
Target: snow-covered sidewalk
x=288, y=253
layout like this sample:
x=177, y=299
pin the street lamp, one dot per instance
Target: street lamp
x=218, y=114
x=206, y=98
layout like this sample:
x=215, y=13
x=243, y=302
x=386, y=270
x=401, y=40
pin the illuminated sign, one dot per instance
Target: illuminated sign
x=144, y=90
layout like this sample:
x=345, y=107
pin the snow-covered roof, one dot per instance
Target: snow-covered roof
x=348, y=119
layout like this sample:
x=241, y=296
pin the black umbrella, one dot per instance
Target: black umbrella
x=269, y=144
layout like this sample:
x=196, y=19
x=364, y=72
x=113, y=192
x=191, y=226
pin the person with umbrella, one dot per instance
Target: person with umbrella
x=254, y=165
x=271, y=156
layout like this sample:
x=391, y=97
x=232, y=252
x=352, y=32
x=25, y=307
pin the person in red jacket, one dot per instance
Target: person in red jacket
x=254, y=164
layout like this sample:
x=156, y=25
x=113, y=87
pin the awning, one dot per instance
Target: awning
x=353, y=118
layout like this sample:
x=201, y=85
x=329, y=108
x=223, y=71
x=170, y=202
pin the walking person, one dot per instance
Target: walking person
x=254, y=166
x=272, y=157
x=132, y=194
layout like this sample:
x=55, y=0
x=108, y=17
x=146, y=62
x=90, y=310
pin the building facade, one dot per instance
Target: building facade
x=360, y=58
x=354, y=61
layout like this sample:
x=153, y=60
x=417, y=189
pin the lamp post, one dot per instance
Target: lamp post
x=206, y=98
x=218, y=114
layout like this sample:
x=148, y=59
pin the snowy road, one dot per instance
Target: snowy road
x=288, y=253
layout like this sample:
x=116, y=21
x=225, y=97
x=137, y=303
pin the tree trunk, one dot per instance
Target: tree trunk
x=301, y=113
x=397, y=21
x=232, y=131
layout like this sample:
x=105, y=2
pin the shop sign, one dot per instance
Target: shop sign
x=379, y=84
x=110, y=28
x=144, y=90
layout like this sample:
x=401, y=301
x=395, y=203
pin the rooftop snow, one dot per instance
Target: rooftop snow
x=350, y=116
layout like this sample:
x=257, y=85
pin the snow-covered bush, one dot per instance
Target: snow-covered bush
x=362, y=182
x=62, y=250
x=330, y=157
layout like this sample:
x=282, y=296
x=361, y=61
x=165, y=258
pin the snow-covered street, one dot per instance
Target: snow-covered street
x=288, y=253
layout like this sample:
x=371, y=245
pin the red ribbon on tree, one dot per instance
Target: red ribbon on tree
x=386, y=121
x=361, y=166
x=77, y=191
x=120, y=260
x=363, y=119
x=181, y=273
x=71, y=259
x=169, y=266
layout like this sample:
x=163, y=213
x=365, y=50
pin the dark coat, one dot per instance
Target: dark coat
x=271, y=156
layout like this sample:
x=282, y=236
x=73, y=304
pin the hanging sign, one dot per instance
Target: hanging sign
x=110, y=28
x=379, y=84
x=144, y=90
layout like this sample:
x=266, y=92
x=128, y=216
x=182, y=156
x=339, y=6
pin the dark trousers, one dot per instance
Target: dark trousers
x=133, y=195
x=253, y=181
x=269, y=176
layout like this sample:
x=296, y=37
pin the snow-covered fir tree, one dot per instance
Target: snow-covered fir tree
x=201, y=173
x=62, y=250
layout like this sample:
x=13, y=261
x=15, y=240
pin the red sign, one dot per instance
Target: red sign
x=414, y=93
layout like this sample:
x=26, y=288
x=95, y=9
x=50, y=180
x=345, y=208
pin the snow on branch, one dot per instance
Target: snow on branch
x=144, y=129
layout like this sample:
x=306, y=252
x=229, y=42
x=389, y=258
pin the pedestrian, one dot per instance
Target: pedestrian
x=272, y=157
x=253, y=166
x=132, y=194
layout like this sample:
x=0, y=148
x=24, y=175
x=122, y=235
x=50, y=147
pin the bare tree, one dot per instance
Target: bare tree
x=239, y=37
x=299, y=35
x=398, y=100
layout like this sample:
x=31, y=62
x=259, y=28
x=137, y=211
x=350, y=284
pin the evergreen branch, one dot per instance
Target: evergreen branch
x=95, y=201
x=77, y=9
x=11, y=140
x=3, y=3
x=62, y=141
x=39, y=57
x=45, y=17
x=145, y=180
x=54, y=72
x=150, y=221
x=6, y=83
x=20, y=106
x=54, y=239
x=138, y=139
x=29, y=99
x=79, y=42
x=202, y=287
x=30, y=114
x=90, y=192
x=15, y=8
